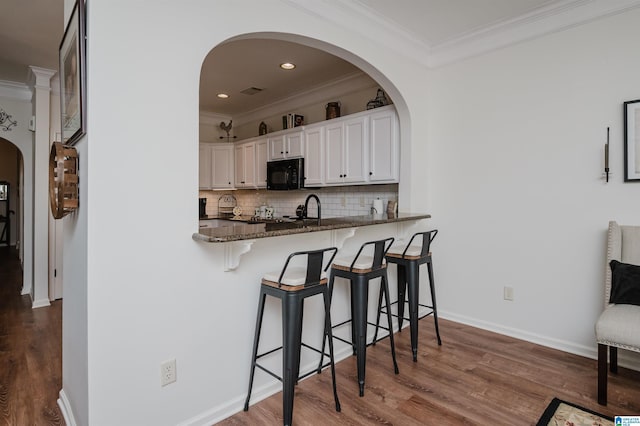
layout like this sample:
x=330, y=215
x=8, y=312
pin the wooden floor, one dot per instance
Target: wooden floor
x=474, y=378
x=30, y=352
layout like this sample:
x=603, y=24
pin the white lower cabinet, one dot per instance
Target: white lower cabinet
x=215, y=166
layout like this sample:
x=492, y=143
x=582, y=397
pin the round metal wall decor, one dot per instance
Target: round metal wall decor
x=63, y=180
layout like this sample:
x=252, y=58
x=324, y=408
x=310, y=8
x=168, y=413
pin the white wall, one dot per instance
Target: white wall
x=516, y=154
x=152, y=293
x=511, y=179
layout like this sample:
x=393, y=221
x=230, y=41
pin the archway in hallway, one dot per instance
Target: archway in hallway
x=12, y=202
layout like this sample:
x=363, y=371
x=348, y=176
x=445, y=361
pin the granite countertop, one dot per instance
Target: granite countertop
x=248, y=231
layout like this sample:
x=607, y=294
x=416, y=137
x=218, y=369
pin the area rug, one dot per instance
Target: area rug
x=561, y=413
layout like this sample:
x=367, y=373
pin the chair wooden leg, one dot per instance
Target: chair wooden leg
x=602, y=374
x=613, y=359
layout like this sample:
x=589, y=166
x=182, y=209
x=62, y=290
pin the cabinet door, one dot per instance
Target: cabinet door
x=204, y=166
x=249, y=160
x=356, y=134
x=314, y=156
x=277, y=148
x=261, y=163
x=333, y=154
x=222, y=166
x=239, y=167
x=294, y=145
x=383, y=148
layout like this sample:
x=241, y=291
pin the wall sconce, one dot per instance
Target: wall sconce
x=606, y=173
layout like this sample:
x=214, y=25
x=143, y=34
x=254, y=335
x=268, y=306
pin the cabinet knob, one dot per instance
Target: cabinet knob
x=370, y=173
x=281, y=152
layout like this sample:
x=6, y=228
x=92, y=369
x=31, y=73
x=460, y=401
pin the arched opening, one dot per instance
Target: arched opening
x=11, y=198
x=246, y=69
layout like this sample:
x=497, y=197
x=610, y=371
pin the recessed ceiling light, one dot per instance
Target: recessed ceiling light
x=287, y=66
x=223, y=95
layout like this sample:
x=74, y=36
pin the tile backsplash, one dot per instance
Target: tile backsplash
x=336, y=201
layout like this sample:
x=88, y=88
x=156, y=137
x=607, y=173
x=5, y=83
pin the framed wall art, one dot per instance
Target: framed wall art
x=632, y=141
x=72, y=77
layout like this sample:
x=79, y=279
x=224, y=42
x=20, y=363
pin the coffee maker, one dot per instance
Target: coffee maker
x=203, y=207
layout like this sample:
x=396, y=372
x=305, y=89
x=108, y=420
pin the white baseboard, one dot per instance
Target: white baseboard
x=65, y=408
x=40, y=303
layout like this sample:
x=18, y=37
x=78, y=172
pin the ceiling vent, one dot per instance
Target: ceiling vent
x=251, y=91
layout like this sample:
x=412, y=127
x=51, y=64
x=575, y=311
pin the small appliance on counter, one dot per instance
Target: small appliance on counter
x=203, y=207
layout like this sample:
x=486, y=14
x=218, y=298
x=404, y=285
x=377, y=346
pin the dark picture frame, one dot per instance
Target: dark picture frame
x=631, y=111
x=72, y=77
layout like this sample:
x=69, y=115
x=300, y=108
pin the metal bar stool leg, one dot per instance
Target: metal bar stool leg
x=375, y=334
x=328, y=332
x=402, y=288
x=291, y=309
x=324, y=338
x=359, y=297
x=256, y=341
x=432, y=285
x=413, y=284
x=385, y=283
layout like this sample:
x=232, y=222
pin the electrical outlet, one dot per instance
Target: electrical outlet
x=361, y=201
x=508, y=293
x=168, y=372
x=343, y=201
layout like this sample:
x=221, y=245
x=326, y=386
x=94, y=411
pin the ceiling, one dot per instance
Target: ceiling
x=31, y=30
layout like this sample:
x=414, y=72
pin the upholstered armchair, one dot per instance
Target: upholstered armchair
x=619, y=324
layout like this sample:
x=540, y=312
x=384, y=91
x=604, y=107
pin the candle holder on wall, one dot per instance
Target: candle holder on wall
x=606, y=173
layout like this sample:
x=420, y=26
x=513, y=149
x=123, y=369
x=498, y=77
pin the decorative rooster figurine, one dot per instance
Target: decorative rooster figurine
x=227, y=128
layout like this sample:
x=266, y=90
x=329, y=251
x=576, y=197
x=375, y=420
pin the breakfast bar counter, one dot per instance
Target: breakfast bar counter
x=250, y=231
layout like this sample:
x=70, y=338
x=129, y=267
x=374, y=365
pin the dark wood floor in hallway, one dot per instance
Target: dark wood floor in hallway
x=30, y=352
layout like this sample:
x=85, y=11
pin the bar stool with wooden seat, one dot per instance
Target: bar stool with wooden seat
x=359, y=271
x=292, y=286
x=408, y=259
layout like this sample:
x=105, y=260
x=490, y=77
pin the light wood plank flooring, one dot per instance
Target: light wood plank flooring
x=475, y=378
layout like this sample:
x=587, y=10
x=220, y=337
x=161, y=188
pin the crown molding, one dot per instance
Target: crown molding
x=545, y=20
x=554, y=16
x=356, y=16
x=351, y=83
x=14, y=91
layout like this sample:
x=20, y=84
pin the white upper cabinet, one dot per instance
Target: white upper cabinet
x=215, y=166
x=204, y=166
x=261, y=162
x=346, y=151
x=314, y=157
x=383, y=146
x=357, y=149
x=245, y=165
x=222, y=174
x=286, y=145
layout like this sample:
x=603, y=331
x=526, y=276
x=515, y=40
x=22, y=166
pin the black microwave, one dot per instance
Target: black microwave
x=283, y=175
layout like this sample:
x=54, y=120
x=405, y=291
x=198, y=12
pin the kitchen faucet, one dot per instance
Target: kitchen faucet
x=306, y=206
